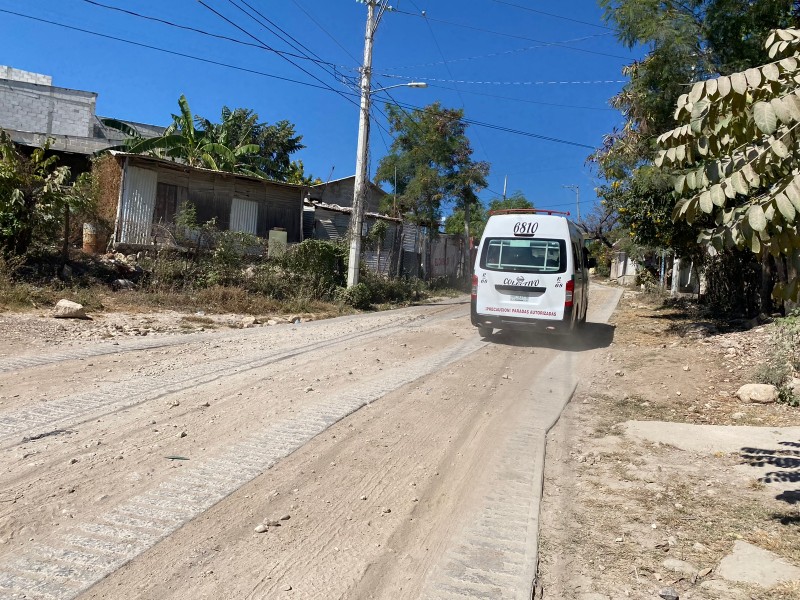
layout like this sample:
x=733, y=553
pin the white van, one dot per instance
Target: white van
x=531, y=273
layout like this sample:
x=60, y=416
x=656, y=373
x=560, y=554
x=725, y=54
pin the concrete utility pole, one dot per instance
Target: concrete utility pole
x=362, y=153
x=577, y=190
x=361, y=181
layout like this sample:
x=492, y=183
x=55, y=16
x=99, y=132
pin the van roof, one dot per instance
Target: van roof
x=526, y=211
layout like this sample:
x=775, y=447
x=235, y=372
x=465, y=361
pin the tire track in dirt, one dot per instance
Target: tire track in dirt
x=17, y=363
x=72, y=410
x=90, y=551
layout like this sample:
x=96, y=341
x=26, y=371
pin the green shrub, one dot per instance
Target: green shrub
x=318, y=260
x=358, y=296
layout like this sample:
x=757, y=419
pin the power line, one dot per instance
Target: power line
x=269, y=75
x=519, y=83
x=512, y=35
x=405, y=107
x=541, y=12
x=260, y=14
x=289, y=60
x=504, y=52
x=293, y=42
x=449, y=72
x=164, y=50
x=199, y=31
x=325, y=31
x=575, y=106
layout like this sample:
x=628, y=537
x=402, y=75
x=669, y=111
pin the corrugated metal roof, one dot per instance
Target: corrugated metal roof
x=347, y=210
x=177, y=165
x=324, y=183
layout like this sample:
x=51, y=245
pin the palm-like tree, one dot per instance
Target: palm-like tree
x=238, y=144
x=208, y=146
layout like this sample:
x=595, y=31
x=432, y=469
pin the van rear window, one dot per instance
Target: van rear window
x=524, y=256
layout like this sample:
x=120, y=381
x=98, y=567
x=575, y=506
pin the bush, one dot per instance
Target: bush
x=783, y=358
x=358, y=296
x=318, y=260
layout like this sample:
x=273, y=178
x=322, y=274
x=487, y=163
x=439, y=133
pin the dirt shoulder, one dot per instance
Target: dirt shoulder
x=659, y=477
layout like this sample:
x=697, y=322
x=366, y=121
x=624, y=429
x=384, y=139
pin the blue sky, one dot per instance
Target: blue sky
x=506, y=63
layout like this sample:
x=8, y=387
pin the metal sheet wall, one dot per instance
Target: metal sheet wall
x=244, y=216
x=138, y=203
x=446, y=256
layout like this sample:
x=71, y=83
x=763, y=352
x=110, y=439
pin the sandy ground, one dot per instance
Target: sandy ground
x=387, y=455
x=656, y=461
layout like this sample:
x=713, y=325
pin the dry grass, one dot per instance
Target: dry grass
x=700, y=505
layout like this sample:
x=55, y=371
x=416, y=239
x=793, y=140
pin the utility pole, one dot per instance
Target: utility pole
x=362, y=154
x=577, y=190
x=361, y=180
x=505, y=185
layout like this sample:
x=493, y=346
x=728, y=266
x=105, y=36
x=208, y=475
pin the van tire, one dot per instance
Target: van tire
x=485, y=332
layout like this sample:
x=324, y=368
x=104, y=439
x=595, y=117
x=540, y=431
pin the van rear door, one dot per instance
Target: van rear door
x=523, y=277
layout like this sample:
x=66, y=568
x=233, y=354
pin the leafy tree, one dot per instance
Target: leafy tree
x=517, y=200
x=454, y=223
x=735, y=157
x=237, y=144
x=431, y=161
x=276, y=143
x=34, y=195
x=687, y=42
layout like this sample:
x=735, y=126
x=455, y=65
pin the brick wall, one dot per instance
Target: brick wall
x=42, y=108
x=24, y=76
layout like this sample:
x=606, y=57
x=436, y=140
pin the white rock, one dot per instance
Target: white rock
x=66, y=309
x=249, y=322
x=758, y=392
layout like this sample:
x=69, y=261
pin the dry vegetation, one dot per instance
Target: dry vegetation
x=616, y=508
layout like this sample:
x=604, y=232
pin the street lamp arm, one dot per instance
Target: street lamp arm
x=411, y=84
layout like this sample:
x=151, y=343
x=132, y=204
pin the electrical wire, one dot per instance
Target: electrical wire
x=541, y=12
x=289, y=60
x=271, y=76
x=164, y=50
x=325, y=31
x=555, y=104
x=406, y=107
x=286, y=37
x=199, y=31
x=519, y=83
x=493, y=54
x=512, y=35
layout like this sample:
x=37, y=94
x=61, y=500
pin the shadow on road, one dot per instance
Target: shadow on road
x=590, y=337
x=787, y=465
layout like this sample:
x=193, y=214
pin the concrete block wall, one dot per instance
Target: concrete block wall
x=41, y=108
x=24, y=76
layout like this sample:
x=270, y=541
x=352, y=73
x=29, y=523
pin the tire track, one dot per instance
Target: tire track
x=88, y=552
x=74, y=409
x=141, y=344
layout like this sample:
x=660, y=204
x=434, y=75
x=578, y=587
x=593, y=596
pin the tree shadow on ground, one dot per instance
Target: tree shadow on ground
x=589, y=337
x=787, y=464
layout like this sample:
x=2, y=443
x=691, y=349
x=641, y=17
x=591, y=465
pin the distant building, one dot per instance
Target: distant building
x=340, y=192
x=141, y=195
x=33, y=111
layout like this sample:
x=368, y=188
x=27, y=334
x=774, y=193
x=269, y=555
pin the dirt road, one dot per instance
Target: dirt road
x=389, y=455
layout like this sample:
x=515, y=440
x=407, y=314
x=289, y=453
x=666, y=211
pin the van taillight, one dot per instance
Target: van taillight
x=474, y=287
x=570, y=291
